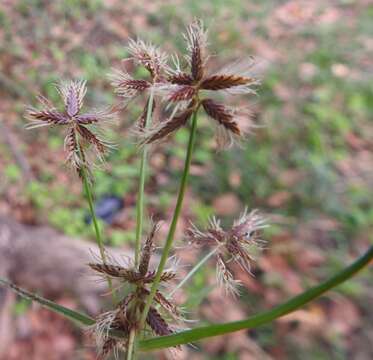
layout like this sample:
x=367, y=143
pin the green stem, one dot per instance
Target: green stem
x=140, y=196
x=291, y=305
x=193, y=271
x=88, y=192
x=175, y=218
x=131, y=342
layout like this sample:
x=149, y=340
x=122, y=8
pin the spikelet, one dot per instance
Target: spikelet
x=234, y=244
x=72, y=94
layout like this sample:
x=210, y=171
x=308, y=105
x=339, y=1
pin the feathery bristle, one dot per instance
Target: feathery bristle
x=211, y=237
x=248, y=225
x=148, y=55
x=225, y=278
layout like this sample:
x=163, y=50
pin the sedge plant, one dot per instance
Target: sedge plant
x=177, y=90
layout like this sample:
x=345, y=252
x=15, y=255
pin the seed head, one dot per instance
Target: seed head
x=184, y=87
x=233, y=244
x=126, y=316
x=127, y=273
x=78, y=137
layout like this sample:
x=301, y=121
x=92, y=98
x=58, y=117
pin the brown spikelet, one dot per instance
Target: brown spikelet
x=196, y=60
x=134, y=84
x=147, y=250
x=181, y=78
x=220, y=82
x=114, y=271
x=182, y=93
x=157, y=323
x=166, y=304
x=168, y=275
x=91, y=139
x=72, y=147
x=222, y=114
x=168, y=127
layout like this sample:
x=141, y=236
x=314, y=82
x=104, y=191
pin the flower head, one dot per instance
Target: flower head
x=185, y=90
x=234, y=244
x=128, y=87
x=79, y=136
x=125, y=317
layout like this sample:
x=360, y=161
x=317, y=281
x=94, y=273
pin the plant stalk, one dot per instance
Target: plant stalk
x=131, y=342
x=175, y=218
x=140, y=195
x=100, y=243
x=193, y=271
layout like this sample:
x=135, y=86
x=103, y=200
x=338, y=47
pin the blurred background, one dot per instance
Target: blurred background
x=309, y=167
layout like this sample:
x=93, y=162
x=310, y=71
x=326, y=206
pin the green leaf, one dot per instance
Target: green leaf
x=203, y=332
x=291, y=305
x=66, y=312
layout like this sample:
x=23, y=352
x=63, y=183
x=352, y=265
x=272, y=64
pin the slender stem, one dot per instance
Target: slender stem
x=140, y=195
x=188, y=336
x=131, y=342
x=175, y=218
x=88, y=192
x=193, y=271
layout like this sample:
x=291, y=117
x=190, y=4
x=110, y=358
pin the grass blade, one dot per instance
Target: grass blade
x=185, y=337
x=76, y=316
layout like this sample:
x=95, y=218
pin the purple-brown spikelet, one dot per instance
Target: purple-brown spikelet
x=78, y=135
x=234, y=244
x=180, y=78
x=148, y=249
x=182, y=93
x=165, y=129
x=223, y=115
x=196, y=38
x=157, y=323
x=126, y=86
